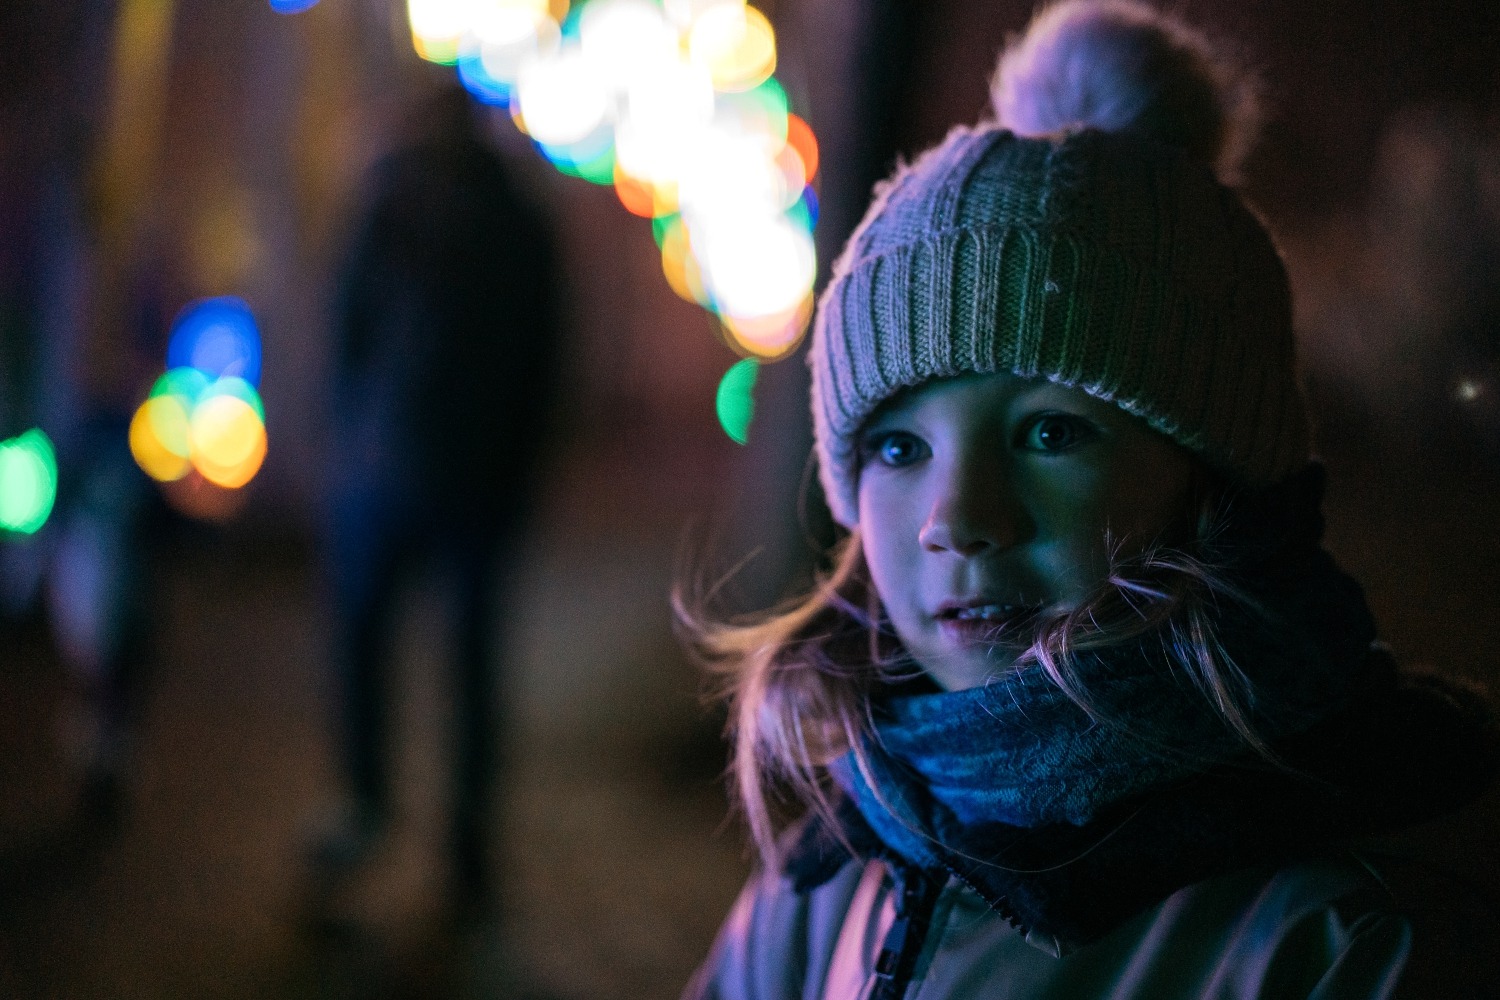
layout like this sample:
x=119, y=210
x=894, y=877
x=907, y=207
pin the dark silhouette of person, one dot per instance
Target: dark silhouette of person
x=447, y=356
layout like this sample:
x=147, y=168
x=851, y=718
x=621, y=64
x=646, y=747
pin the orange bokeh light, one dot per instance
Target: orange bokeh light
x=800, y=137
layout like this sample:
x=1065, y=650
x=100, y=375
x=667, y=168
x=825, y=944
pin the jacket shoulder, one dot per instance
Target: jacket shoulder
x=778, y=939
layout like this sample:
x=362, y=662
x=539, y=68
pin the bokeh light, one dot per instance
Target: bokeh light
x=204, y=417
x=736, y=400
x=438, y=27
x=228, y=441
x=624, y=40
x=674, y=104
x=500, y=24
x=28, y=482
x=562, y=100
x=771, y=337
x=736, y=43
x=759, y=269
x=238, y=388
x=292, y=6
x=159, y=438
x=218, y=337
x=799, y=136
x=196, y=497
x=186, y=383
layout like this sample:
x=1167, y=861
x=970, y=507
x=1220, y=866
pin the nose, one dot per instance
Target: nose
x=974, y=510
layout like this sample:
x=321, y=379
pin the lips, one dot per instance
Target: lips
x=978, y=621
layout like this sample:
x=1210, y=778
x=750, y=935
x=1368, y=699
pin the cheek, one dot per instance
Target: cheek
x=1123, y=506
x=889, y=542
x=1150, y=499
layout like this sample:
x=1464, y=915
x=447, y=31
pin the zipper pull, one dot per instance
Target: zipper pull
x=903, y=942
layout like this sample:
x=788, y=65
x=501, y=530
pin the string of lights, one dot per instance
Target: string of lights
x=674, y=104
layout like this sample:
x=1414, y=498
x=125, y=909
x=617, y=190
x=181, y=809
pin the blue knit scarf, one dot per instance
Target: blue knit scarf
x=1018, y=753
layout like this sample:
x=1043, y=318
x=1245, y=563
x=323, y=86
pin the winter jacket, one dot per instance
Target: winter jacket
x=1411, y=916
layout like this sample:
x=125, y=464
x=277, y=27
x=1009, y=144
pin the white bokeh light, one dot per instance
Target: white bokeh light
x=666, y=113
x=561, y=97
x=506, y=22
x=503, y=61
x=440, y=21
x=736, y=43
x=625, y=38
x=757, y=269
x=729, y=177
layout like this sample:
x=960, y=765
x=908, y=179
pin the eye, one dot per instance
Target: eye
x=895, y=448
x=1055, y=432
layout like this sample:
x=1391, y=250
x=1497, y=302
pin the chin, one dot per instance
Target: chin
x=969, y=669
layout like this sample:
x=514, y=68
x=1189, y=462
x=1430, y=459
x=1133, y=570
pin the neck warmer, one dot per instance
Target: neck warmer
x=1069, y=825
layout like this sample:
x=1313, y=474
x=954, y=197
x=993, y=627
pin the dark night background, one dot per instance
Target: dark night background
x=237, y=170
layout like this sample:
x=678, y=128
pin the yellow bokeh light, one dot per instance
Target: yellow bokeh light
x=736, y=44
x=234, y=477
x=158, y=438
x=644, y=198
x=684, y=12
x=167, y=419
x=438, y=27
x=681, y=267
x=770, y=337
x=223, y=430
x=676, y=104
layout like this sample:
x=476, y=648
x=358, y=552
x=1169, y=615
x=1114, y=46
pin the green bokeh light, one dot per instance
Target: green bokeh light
x=801, y=214
x=186, y=383
x=662, y=225
x=231, y=385
x=592, y=159
x=28, y=482
x=736, y=399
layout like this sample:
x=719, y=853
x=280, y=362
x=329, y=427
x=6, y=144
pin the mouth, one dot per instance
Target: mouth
x=974, y=622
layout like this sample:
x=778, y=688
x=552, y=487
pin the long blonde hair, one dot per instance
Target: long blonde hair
x=799, y=679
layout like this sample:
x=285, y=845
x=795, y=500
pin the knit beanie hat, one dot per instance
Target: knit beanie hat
x=1083, y=238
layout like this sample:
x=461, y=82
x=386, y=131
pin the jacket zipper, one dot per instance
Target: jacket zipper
x=999, y=904
x=903, y=942
x=915, y=905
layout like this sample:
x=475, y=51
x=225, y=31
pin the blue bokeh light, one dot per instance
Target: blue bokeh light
x=219, y=338
x=479, y=82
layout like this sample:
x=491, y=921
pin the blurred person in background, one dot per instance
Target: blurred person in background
x=92, y=567
x=445, y=364
x=102, y=584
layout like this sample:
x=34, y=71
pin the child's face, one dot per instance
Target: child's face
x=986, y=498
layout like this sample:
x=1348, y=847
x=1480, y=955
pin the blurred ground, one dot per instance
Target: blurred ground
x=617, y=864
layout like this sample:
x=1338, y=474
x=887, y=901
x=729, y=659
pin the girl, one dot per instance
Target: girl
x=1083, y=708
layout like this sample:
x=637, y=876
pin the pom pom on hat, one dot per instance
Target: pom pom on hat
x=1123, y=66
